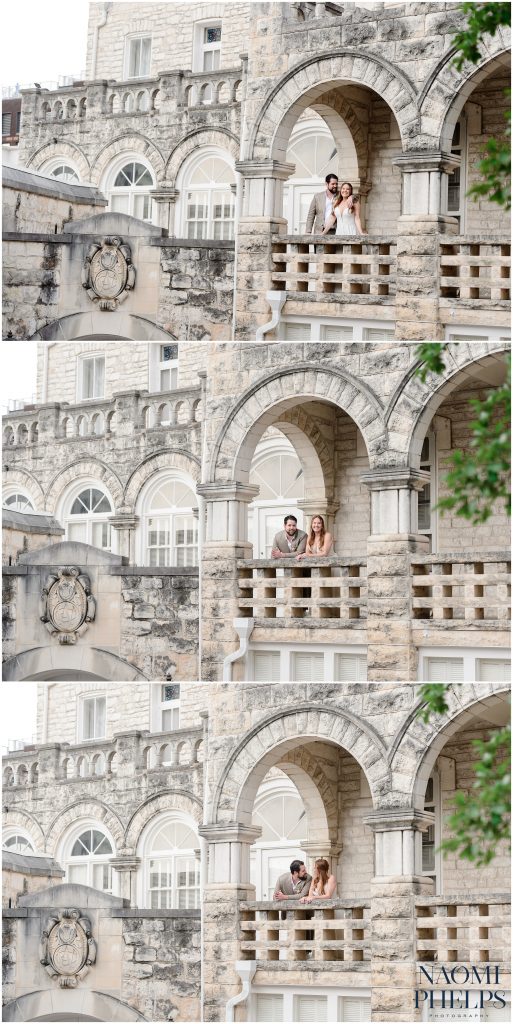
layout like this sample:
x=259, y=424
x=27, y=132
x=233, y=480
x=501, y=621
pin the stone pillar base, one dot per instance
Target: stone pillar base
x=391, y=654
x=393, y=931
x=221, y=948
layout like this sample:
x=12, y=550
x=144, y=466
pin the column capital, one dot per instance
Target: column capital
x=265, y=169
x=165, y=194
x=230, y=832
x=392, y=819
x=125, y=862
x=227, y=490
x=395, y=478
x=427, y=160
x=124, y=521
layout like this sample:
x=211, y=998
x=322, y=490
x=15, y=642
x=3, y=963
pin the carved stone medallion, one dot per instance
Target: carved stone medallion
x=67, y=605
x=67, y=947
x=108, y=274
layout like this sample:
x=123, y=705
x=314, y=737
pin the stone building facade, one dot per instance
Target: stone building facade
x=209, y=126
x=155, y=458
x=169, y=808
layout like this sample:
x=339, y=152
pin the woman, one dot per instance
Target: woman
x=323, y=884
x=346, y=213
x=319, y=542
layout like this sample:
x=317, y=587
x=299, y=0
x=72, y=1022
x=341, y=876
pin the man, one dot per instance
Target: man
x=293, y=885
x=289, y=541
x=321, y=206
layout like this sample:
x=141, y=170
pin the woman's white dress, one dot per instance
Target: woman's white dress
x=345, y=222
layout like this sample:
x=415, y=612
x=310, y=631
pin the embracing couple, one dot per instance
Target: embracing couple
x=292, y=541
x=297, y=884
x=335, y=211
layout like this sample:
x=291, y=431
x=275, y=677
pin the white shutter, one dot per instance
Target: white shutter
x=331, y=332
x=269, y=1007
x=296, y=332
x=266, y=666
x=378, y=334
x=307, y=668
x=493, y=670
x=443, y=670
x=354, y=1008
x=467, y=337
x=350, y=668
x=310, y=1008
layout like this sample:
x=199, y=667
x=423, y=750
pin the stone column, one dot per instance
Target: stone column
x=228, y=884
x=422, y=222
x=315, y=850
x=393, y=917
x=262, y=217
x=127, y=866
x=48, y=417
x=49, y=756
x=394, y=538
x=225, y=543
x=165, y=198
x=326, y=509
x=125, y=524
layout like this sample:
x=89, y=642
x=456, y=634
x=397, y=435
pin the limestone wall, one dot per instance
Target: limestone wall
x=489, y=98
x=160, y=971
x=160, y=624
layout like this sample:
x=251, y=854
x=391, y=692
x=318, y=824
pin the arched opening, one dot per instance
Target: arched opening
x=169, y=848
x=128, y=184
x=169, y=527
x=69, y=1005
x=206, y=181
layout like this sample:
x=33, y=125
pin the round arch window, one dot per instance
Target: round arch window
x=173, y=867
x=18, y=502
x=313, y=150
x=210, y=202
x=65, y=173
x=170, y=526
x=87, y=517
x=88, y=860
x=277, y=471
x=18, y=844
x=130, y=190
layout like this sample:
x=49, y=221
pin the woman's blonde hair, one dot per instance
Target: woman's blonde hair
x=311, y=535
x=322, y=873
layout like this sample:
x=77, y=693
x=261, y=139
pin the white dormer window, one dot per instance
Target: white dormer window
x=138, y=57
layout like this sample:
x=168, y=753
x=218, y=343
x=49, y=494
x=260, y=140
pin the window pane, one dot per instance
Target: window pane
x=311, y=1008
x=307, y=667
x=444, y=670
x=266, y=666
x=88, y=378
x=350, y=667
x=145, y=57
x=493, y=670
x=89, y=719
x=269, y=1007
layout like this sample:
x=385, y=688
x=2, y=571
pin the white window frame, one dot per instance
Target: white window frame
x=431, y=463
x=10, y=492
x=435, y=805
x=133, y=37
x=287, y=652
x=144, y=847
x=290, y=993
x=10, y=833
x=145, y=514
x=461, y=151
x=131, y=191
x=186, y=171
x=469, y=655
x=200, y=48
x=63, y=853
x=84, y=698
x=264, y=449
x=159, y=706
x=469, y=332
x=64, y=511
x=359, y=328
x=82, y=359
x=52, y=166
x=262, y=848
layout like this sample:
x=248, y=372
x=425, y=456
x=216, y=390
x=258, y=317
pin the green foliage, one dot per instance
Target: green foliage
x=433, y=694
x=431, y=355
x=481, y=818
x=483, y=18
x=480, y=477
x=495, y=169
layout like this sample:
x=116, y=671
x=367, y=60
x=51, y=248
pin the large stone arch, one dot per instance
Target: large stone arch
x=316, y=793
x=91, y=808
x=166, y=458
x=119, y=326
x=14, y=817
x=69, y=1004
x=300, y=87
x=200, y=137
x=62, y=148
x=65, y=663
x=165, y=801
x=418, y=743
x=312, y=449
x=26, y=481
x=447, y=90
x=414, y=402
x=133, y=142
x=268, y=743
x=88, y=468
x=263, y=403
x=347, y=132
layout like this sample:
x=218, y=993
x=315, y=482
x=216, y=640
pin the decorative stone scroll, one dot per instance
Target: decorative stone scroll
x=108, y=274
x=67, y=605
x=67, y=947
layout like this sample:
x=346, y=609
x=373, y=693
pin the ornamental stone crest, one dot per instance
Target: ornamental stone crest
x=108, y=274
x=67, y=948
x=67, y=605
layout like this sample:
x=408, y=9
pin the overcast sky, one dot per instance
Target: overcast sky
x=42, y=41
x=18, y=363
x=18, y=712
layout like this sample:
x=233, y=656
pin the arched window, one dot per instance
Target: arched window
x=63, y=169
x=128, y=187
x=209, y=208
x=280, y=813
x=277, y=471
x=172, y=865
x=17, y=501
x=314, y=152
x=170, y=529
x=17, y=842
x=86, y=516
x=87, y=862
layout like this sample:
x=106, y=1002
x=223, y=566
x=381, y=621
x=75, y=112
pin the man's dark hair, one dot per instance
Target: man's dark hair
x=296, y=865
x=285, y=521
x=329, y=177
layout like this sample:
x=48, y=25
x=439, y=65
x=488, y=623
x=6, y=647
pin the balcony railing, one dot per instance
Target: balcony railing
x=321, y=931
x=94, y=758
x=328, y=590
x=461, y=589
x=350, y=269
x=181, y=407
x=475, y=271
x=471, y=929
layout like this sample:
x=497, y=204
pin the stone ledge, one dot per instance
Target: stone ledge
x=161, y=570
x=136, y=912
x=28, y=181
